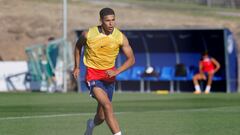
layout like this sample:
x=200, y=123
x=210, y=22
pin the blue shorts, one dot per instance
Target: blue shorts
x=108, y=87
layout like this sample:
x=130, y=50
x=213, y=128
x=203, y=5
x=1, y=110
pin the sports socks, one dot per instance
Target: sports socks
x=208, y=88
x=119, y=133
x=197, y=88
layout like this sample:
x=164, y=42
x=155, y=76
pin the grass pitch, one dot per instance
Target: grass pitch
x=138, y=114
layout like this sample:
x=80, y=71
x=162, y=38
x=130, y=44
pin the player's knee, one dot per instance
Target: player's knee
x=195, y=78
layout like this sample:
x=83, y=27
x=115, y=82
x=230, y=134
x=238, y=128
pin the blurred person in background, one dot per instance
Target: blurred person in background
x=208, y=66
x=47, y=70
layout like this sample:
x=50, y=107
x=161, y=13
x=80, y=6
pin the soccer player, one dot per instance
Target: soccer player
x=208, y=66
x=102, y=44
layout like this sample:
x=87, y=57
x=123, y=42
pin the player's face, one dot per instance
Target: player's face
x=108, y=23
x=205, y=56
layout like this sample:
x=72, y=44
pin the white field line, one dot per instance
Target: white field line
x=117, y=113
x=51, y=116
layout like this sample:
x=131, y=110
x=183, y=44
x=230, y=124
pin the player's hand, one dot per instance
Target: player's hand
x=214, y=71
x=76, y=72
x=111, y=73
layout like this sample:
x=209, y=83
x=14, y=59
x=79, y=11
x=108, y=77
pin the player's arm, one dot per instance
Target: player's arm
x=200, y=67
x=77, y=53
x=216, y=63
x=127, y=50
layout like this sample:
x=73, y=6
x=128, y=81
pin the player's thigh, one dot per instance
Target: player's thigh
x=101, y=96
x=199, y=76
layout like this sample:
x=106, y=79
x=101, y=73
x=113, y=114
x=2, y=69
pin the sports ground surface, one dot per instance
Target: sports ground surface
x=138, y=114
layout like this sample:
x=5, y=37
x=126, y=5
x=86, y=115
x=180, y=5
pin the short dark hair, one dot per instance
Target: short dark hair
x=204, y=53
x=51, y=38
x=106, y=11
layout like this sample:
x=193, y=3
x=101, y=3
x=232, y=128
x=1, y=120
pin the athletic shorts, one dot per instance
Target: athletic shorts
x=108, y=87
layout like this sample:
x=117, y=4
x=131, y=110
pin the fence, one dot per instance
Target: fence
x=48, y=61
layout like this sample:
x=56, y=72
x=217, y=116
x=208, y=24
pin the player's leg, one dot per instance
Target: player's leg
x=51, y=78
x=196, y=78
x=106, y=104
x=209, y=82
x=98, y=119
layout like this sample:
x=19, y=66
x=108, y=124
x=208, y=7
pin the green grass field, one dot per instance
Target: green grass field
x=138, y=114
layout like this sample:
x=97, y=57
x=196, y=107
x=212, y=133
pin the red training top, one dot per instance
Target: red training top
x=207, y=65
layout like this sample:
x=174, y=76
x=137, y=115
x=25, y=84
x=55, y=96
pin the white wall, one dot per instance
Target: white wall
x=11, y=69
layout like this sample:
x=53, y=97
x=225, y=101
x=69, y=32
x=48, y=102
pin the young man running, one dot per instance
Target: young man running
x=102, y=44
